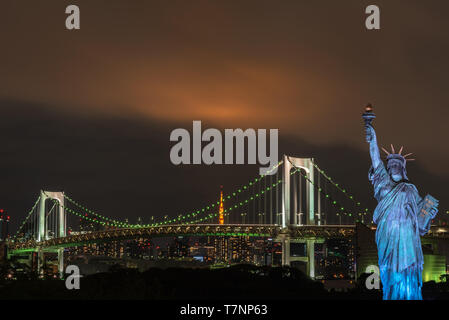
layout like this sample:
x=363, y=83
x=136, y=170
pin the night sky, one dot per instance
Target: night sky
x=90, y=111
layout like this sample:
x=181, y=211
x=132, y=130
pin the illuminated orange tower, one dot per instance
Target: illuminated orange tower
x=221, y=210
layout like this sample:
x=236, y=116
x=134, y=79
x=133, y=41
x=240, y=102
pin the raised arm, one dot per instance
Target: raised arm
x=373, y=148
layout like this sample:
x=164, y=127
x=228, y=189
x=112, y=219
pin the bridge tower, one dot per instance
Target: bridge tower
x=43, y=228
x=287, y=222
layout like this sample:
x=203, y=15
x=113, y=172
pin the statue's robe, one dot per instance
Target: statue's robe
x=398, y=236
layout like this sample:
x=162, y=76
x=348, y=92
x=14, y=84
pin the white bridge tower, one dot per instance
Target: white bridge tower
x=307, y=165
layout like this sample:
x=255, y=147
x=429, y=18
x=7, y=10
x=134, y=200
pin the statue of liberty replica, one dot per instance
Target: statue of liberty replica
x=401, y=216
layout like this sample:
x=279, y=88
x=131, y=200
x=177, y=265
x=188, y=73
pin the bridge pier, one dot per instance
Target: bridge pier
x=61, y=262
x=309, y=258
x=285, y=241
x=310, y=247
x=40, y=262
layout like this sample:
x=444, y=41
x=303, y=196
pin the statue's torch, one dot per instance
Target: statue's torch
x=369, y=115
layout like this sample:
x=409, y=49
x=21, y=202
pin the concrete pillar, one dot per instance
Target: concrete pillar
x=296, y=221
x=310, y=190
x=311, y=258
x=61, y=262
x=34, y=260
x=40, y=261
x=62, y=215
x=286, y=251
x=41, y=236
x=286, y=193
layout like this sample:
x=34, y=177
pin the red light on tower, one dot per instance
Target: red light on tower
x=221, y=210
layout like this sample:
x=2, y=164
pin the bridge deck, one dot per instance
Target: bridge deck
x=251, y=230
x=267, y=231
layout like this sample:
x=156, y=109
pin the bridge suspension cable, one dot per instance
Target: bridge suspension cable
x=206, y=215
x=341, y=211
x=30, y=213
x=336, y=185
x=107, y=220
x=179, y=218
x=206, y=218
x=259, y=217
x=255, y=189
x=242, y=203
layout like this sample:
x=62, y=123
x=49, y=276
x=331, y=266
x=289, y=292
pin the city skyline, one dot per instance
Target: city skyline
x=224, y=149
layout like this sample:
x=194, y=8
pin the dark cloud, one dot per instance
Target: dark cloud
x=120, y=167
x=304, y=67
x=107, y=96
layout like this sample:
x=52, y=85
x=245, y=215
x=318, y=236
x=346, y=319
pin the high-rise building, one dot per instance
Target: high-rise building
x=2, y=251
x=202, y=249
x=238, y=249
x=4, y=225
x=179, y=248
x=340, y=259
x=221, y=246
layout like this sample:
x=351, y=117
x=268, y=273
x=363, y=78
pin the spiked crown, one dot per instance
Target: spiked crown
x=393, y=156
x=397, y=156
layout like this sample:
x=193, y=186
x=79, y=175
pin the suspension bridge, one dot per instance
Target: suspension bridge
x=299, y=203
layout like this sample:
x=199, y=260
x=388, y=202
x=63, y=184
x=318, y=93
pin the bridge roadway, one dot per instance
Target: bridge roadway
x=253, y=230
